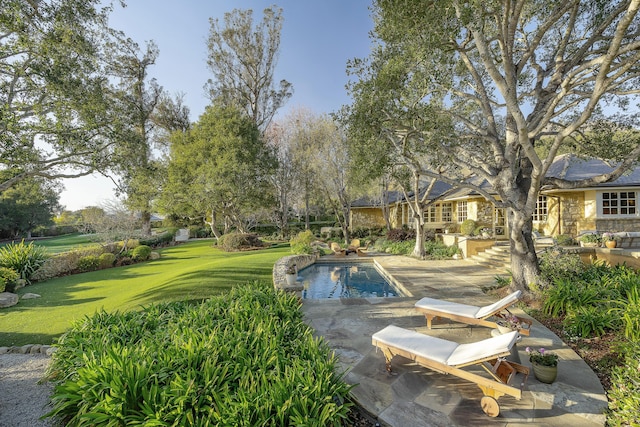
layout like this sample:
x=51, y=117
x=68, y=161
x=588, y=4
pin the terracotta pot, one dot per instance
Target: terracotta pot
x=545, y=374
x=610, y=244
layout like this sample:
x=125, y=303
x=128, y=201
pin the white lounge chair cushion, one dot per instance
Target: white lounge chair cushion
x=465, y=310
x=427, y=346
x=444, y=351
x=482, y=350
x=498, y=305
x=448, y=307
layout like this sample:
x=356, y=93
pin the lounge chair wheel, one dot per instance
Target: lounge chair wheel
x=490, y=406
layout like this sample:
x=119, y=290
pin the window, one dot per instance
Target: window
x=430, y=214
x=447, y=212
x=540, y=214
x=462, y=211
x=619, y=203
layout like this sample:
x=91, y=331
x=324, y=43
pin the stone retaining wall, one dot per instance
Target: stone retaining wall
x=283, y=264
x=29, y=349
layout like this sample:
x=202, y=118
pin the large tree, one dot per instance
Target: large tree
x=218, y=171
x=30, y=203
x=243, y=58
x=495, y=77
x=55, y=115
x=137, y=96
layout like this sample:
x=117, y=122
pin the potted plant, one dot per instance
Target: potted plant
x=291, y=274
x=590, y=240
x=544, y=363
x=610, y=240
x=508, y=323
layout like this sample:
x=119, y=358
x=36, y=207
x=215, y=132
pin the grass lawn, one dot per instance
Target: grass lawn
x=193, y=270
x=55, y=245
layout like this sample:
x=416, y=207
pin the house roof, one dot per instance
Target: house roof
x=397, y=196
x=573, y=168
x=567, y=166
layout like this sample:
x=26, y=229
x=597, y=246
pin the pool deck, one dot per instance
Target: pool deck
x=416, y=396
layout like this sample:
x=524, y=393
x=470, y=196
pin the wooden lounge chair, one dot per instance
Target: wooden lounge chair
x=337, y=250
x=471, y=314
x=448, y=357
x=354, y=245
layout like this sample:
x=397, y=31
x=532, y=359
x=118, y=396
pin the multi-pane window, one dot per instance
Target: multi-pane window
x=540, y=214
x=462, y=211
x=619, y=203
x=447, y=212
x=430, y=214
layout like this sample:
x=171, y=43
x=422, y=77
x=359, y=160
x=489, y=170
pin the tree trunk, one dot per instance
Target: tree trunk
x=524, y=261
x=418, y=250
x=212, y=225
x=146, y=223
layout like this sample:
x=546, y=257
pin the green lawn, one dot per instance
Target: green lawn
x=193, y=270
x=64, y=243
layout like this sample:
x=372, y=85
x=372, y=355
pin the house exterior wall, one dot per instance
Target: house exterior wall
x=367, y=217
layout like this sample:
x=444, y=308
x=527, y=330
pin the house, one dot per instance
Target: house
x=604, y=207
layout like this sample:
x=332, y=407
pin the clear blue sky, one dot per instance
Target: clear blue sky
x=318, y=37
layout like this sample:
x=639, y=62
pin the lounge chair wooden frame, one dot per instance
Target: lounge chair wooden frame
x=471, y=315
x=337, y=250
x=501, y=372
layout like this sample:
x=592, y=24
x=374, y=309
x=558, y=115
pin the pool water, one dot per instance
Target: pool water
x=336, y=280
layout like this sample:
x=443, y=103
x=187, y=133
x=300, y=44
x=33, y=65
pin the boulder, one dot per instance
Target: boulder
x=8, y=299
x=30, y=295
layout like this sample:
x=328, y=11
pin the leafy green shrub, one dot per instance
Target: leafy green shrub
x=468, y=227
x=588, y=321
x=231, y=242
x=567, y=294
x=64, y=263
x=564, y=240
x=8, y=279
x=106, y=260
x=23, y=258
x=301, y=243
x=158, y=240
x=437, y=250
x=630, y=315
x=88, y=263
x=556, y=263
x=624, y=395
x=141, y=253
x=245, y=358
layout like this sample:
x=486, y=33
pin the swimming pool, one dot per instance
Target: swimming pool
x=342, y=280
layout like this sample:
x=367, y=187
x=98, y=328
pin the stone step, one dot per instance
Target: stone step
x=497, y=257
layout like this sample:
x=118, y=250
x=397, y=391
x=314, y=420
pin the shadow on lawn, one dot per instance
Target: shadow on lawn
x=198, y=285
x=9, y=339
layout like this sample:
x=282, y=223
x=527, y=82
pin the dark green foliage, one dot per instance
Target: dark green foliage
x=141, y=253
x=401, y=234
x=231, y=242
x=88, y=263
x=364, y=232
x=242, y=359
x=624, y=395
x=160, y=239
x=8, y=279
x=25, y=259
x=301, y=243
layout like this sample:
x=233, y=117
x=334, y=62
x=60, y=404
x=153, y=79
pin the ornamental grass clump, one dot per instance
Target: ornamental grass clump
x=542, y=357
x=25, y=259
x=245, y=358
